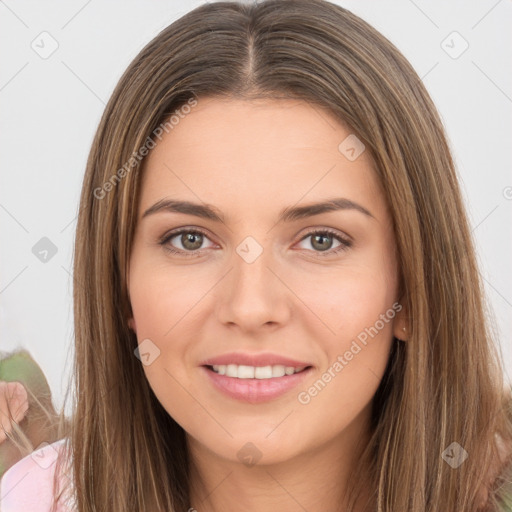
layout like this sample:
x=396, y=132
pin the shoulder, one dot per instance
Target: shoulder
x=28, y=484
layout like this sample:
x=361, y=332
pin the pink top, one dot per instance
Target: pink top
x=28, y=484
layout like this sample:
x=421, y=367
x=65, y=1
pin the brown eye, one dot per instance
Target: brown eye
x=185, y=242
x=191, y=241
x=322, y=242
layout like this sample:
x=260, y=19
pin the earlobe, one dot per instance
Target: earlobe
x=401, y=334
x=400, y=327
x=132, y=325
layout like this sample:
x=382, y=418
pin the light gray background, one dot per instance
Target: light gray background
x=50, y=109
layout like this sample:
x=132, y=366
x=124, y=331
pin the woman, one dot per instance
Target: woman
x=277, y=301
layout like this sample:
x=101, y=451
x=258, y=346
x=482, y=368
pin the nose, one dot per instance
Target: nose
x=252, y=295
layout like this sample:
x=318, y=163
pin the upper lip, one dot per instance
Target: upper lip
x=262, y=359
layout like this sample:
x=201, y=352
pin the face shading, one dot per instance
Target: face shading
x=248, y=270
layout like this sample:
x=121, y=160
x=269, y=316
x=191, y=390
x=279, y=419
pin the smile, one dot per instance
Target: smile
x=255, y=384
x=255, y=372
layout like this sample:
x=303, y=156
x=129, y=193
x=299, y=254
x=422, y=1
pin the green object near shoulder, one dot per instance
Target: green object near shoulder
x=21, y=367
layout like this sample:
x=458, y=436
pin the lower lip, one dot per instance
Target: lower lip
x=256, y=391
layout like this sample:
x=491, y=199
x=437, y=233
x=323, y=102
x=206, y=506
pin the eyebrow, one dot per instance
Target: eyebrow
x=210, y=212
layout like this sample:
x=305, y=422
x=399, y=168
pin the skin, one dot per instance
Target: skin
x=13, y=406
x=250, y=160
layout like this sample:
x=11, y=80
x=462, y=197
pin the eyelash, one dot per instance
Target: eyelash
x=344, y=243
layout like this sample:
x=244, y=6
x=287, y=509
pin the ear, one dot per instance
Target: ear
x=132, y=325
x=401, y=325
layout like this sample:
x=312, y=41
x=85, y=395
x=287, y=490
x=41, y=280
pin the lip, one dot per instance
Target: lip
x=255, y=391
x=262, y=359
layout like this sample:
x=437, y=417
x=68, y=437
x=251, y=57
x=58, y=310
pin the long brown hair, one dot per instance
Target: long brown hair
x=444, y=385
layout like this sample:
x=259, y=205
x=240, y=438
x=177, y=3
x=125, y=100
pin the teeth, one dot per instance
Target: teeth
x=255, y=372
x=279, y=370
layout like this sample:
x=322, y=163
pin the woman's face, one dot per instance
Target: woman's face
x=263, y=272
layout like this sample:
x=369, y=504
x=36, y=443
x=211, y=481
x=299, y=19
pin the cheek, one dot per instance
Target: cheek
x=164, y=305
x=161, y=299
x=359, y=310
x=157, y=309
x=355, y=306
x=347, y=301
x=354, y=353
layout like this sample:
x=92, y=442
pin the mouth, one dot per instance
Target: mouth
x=255, y=372
x=255, y=384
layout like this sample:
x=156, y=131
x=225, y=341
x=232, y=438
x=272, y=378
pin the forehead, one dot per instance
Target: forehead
x=258, y=152
x=234, y=125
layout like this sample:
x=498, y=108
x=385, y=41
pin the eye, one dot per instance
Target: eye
x=322, y=241
x=190, y=240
